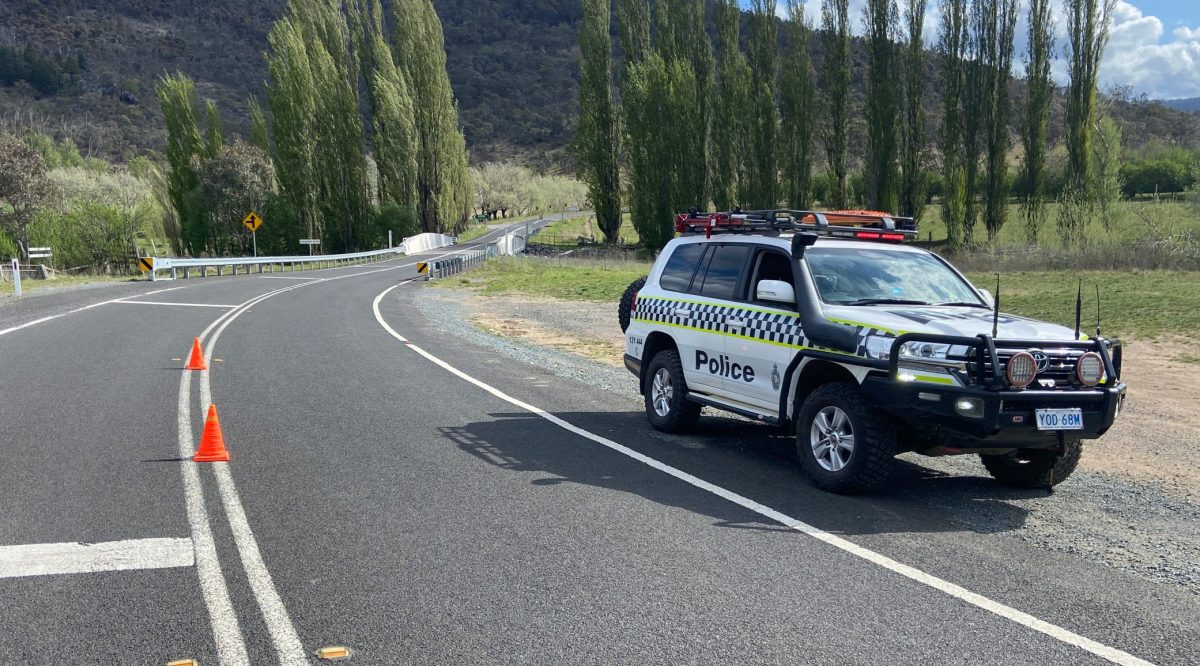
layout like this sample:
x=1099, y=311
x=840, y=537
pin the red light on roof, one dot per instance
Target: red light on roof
x=868, y=235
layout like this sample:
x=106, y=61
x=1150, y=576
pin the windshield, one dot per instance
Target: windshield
x=871, y=276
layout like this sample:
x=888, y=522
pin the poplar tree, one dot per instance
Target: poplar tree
x=1087, y=34
x=292, y=99
x=214, y=135
x=633, y=28
x=259, y=135
x=442, y=179
x=1039, y=54
x=597, y=139
x=974, y=109
x=658, y=111
x=796, y=110
x=177, y=96
x=730, y=125
x=912, y=132
x=880, y=18
x=998, y=20
x=835, y=94
x=952, y=47
x=762, y=188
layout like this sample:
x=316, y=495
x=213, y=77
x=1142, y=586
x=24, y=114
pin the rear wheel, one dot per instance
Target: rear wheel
x=843, y=445
x=1035, y=468
x=667, y=405
x=625, y=308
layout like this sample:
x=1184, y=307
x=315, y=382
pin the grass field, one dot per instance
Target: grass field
x=29, y=285
x=1131, y=221
x=1135, y=304
x=568, y=231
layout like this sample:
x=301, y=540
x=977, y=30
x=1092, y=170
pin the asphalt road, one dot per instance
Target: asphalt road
x=423, y=501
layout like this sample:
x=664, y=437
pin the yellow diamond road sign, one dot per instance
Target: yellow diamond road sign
x=146, y=264
x=252, y=221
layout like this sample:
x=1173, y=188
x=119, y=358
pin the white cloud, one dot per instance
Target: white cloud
x=1138, y=57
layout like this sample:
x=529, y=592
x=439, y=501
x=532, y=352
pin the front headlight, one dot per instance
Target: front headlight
x=879, y=347
x=924, y=351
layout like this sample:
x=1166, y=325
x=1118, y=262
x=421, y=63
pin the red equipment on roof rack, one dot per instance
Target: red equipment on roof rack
x=851, y=224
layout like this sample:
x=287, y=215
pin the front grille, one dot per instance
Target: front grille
x=1057, y=373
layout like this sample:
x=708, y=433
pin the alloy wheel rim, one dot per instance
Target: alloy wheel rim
x=661, y=392
x=832, y=439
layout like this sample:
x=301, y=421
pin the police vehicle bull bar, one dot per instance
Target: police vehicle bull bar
x=988, y=371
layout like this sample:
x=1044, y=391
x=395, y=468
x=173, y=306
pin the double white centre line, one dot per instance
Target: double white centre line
x=231, y=645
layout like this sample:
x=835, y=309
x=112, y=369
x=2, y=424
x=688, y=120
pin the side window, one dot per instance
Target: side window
x=724, y=270
x=770, y=265
x=677, y=274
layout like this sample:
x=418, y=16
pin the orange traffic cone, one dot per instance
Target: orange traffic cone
x=196, y=362
x=212, y=444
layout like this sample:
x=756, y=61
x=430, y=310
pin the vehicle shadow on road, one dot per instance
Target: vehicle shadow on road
x=752, y=460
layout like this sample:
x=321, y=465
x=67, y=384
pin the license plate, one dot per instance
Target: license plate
x=1060, y=419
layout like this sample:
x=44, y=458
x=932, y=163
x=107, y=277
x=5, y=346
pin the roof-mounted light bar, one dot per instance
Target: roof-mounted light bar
x=856, y=225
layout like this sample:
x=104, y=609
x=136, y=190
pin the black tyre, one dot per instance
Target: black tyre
x=844, y=446
x=667, y=405
x=1035, y=468
x=626, y=305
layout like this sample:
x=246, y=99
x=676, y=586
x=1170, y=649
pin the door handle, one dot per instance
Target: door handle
x=682, y=312
x=735, y=323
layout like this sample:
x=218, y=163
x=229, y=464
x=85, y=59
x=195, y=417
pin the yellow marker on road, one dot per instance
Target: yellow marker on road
x=146, y=264
x=334, y=652
x=422, y=268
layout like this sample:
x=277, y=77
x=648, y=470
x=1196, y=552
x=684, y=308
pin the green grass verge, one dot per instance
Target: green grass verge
x=1134, y=304
x=30, y=285
x=536, y=276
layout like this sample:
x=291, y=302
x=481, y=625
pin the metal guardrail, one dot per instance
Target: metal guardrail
x=440, y=268
x=418, y=243
x=266, y=264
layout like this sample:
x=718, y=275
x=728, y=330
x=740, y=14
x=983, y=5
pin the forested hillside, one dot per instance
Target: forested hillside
x=86, y=70
x=513, y=66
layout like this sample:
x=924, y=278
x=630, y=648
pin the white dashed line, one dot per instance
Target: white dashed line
x=1054, y=631
x=45, y=559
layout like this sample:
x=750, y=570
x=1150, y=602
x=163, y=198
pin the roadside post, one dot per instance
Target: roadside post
x=253, y=221
x=16, y=269
x=390, y=246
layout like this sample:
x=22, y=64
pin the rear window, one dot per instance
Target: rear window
x=677, y=274
x=723, y=271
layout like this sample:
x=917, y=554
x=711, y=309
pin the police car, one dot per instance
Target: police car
x=827, y=324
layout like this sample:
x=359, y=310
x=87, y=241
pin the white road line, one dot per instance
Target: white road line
x=27, y=324
x=182, y=305
x=284, y=277
x=160, y=291
x=44, y=559
x=1099, y=649
x=231, y=647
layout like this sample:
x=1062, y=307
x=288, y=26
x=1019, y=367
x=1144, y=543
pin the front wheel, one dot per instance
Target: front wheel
x=1035, y=468
x=843, y=445
x=667, y=405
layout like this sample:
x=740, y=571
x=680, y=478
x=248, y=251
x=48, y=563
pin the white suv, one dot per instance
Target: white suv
x=824, y=323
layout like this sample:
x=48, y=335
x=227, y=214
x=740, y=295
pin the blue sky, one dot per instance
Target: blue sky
x=1154, y=46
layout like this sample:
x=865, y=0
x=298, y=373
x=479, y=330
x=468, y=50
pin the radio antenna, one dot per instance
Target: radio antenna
x=1097, y=309
x=1078, y=308
x=996, y=312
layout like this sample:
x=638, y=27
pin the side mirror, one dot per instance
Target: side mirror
x=776, y=291
x=988, y=298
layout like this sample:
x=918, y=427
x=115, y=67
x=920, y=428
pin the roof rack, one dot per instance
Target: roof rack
x=850, y=224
